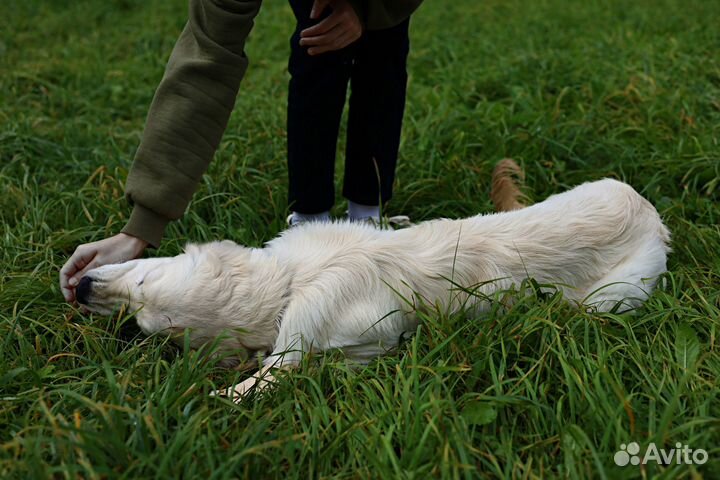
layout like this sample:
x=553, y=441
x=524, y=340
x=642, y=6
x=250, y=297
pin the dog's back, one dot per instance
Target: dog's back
x=593, y=235
x=596, y=234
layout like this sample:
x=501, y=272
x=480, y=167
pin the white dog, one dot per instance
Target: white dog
x=356, y=287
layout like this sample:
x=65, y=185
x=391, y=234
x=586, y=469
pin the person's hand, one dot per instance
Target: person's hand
x=117, y=249
x=338, y=30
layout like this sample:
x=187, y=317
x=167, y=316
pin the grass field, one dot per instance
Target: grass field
x=574, y=90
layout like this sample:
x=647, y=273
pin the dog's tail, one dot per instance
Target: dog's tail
x=507, y=181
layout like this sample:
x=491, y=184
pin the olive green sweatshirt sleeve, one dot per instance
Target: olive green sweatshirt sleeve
x=188, y=114
x=379, y=14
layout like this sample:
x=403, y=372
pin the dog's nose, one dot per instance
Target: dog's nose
x=82, y=291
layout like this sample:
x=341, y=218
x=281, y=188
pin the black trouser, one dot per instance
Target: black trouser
x=375, y=65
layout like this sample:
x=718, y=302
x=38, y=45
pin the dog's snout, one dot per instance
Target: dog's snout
x=82, y=291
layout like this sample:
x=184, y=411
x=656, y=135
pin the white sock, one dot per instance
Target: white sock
x=298, y=217
x=360, y=212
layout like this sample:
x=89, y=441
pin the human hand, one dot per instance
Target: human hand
x=117, y=249
x=341, y=28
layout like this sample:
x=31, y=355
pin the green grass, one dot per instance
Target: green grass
x=575, y=91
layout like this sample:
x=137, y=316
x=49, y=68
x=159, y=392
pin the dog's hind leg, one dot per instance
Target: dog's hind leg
x=629, y=283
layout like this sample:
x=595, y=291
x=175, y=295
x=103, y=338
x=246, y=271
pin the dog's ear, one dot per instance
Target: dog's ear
x=226, y=246
x=205, y=259
x=219, y=248
x=226, y=250
x=226, y=254
x=215, y=257
x=192, y=249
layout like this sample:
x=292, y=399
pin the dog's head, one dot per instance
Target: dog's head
x=167, y=295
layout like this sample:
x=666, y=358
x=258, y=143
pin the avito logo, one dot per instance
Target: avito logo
x=681, y=454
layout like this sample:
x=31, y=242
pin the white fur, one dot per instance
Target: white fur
x=355, y=287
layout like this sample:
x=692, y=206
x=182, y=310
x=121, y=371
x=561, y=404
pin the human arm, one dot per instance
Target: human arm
x=185, y=123
x=188, y=114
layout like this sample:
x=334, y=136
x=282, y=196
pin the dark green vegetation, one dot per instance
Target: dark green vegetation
x=575, y=91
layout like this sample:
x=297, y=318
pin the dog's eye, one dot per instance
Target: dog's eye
x=141, y=282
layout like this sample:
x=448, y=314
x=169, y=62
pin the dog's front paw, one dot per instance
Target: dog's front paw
x=258, y=382
x=237, y=392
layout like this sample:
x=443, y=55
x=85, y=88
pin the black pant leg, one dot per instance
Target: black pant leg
x=316, y=98
x=377, y=103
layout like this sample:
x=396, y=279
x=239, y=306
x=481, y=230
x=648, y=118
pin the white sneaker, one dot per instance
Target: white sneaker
x=291, y=221
x=399, y=221
x=395, y=222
